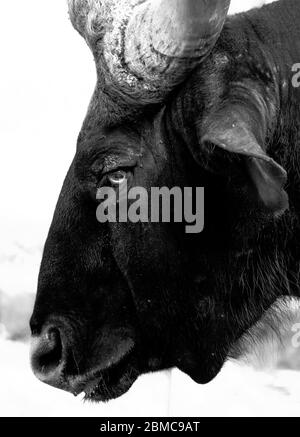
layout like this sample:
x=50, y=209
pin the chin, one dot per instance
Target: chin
x=111, y=383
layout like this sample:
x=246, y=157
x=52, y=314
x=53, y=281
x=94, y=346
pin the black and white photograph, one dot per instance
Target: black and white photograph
x=150, y=211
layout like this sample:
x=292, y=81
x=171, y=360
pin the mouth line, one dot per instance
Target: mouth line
x=112, y=382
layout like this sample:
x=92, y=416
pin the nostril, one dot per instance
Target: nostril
x=46, y=355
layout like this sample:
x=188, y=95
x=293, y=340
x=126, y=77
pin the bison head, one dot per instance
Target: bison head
x=172, y=107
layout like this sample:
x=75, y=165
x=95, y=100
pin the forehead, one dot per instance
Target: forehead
x=107, y=138
x=101, y=143
x=139, y=141
x=145, y=134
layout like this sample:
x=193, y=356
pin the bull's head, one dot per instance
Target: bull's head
x=117, y=300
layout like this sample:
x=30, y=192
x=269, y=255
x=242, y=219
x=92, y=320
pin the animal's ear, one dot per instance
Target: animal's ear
x=233, y=131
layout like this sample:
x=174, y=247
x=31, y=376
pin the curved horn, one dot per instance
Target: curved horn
x=148, y=46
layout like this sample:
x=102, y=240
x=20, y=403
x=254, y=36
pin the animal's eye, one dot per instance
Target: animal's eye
x=118, y=177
